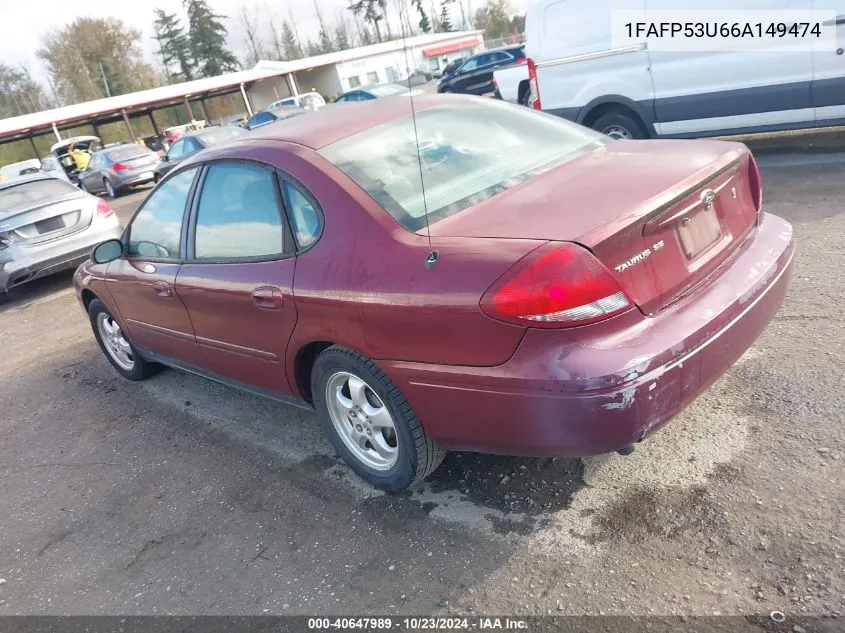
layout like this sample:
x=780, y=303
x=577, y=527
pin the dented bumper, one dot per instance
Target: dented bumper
x=604, y=386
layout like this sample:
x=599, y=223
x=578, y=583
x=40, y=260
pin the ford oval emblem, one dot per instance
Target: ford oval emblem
x=708, y=196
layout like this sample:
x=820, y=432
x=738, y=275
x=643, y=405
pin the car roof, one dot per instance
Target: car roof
x=328, y=125
x=18, y=180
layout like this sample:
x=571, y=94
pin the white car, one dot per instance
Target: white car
x=636, y=92
x=19, y=169
x=311, y=100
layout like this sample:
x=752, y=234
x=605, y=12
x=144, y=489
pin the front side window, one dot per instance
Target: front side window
x=176, y=150
x=156, y=230
x=303, y=213
x=471, y=64
x=238, y=215
x=456, y=156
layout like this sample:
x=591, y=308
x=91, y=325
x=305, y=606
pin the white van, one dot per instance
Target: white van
x=635, y=92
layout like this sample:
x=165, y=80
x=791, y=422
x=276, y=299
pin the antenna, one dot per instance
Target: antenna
x=433, y=255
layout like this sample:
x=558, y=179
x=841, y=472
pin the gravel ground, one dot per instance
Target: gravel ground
x=181, y=496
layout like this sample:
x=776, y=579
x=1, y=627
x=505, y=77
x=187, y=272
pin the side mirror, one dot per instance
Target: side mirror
x=165, y=159
x=106, y=252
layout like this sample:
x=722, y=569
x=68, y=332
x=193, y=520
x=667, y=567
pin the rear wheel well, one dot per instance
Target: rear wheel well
x=87, y=298
x=305, y=363
x=614, y=108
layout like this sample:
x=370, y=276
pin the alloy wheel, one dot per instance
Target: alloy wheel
x=114, y=342
x=362, y=421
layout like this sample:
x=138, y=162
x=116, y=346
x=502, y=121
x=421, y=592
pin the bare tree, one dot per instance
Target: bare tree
x=248, y=21
x=276, y=41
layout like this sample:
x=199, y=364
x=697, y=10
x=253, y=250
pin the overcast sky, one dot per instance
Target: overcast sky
x=23, y=23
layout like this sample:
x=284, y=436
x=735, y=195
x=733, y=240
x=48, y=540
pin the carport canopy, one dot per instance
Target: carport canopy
x=121, y=107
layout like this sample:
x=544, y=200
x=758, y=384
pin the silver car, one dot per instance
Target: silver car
x=48, y=225
x=112, y=170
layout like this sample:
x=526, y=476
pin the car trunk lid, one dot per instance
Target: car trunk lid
x=47, y=220
x=660, y=215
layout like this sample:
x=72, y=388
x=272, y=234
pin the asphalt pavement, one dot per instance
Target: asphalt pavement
x=181, y=496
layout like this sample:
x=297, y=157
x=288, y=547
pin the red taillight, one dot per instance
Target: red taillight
x=533, y=86
x=104, y=209
x=558, y=285
x=522, y=60
x=755, y=181
x=119, y=167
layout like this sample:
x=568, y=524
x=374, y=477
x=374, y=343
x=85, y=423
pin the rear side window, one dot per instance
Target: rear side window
x=155, y=232
x=30, y=193
x=304, y=215
x=238, y=215
x=455, y=156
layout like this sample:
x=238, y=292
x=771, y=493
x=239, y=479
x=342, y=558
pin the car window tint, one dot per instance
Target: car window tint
x=192, y=146
x=498, y=57
x=156, y=229
x=471, y=64
x=303, y=213
x=238, y=214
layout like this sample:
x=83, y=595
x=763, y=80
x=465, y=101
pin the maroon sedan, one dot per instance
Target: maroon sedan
x=477, y=277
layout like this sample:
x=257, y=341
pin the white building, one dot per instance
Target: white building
x=335, y=73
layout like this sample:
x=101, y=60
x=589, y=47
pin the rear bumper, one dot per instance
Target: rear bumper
x=605, y=386
x=135, y=178
x=52, y=257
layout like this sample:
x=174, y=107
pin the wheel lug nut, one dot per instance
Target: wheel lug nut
x=358, y=428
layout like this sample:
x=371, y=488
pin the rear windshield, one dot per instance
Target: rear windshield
x=220, y=135
x=467, y=153
x=128, y=151
x=30, y=193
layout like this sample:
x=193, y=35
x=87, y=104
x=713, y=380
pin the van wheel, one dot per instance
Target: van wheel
x=619, y=125
x=369, y=422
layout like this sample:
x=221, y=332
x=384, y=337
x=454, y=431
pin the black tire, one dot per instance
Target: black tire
x=418, y=454
x=114, y=193
x=619, y=120
x=141, y=369
x=446, y=90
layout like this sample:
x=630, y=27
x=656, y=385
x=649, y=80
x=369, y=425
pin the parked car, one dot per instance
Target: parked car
x=48, y=225
x=450, y=67
x=311, y=100
x=66, y=149
x=51, y=165
x=22, y=168
x=427, y=318
x=265, y=117
x=475, y=75
x=192, y=143
x=635, y=92
x=112, y=170
x=419, y=77
x=368, y=93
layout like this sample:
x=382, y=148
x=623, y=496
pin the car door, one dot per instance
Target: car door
x=828, y=91
x=495, y=60
x=462, y=80
x=724, y=92
x=91, y=179
x=237, y=282
x=142, y=282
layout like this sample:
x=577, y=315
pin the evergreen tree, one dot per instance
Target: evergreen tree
x=174, y=49
x=290, y=43
x=373, y=12
x=327, y=44
x=208, y=40
x=342, y=38
x=445, y=21
x=425, y=23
